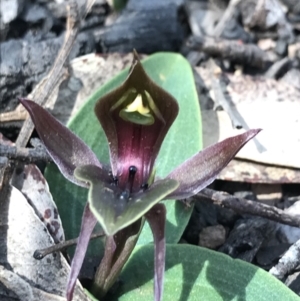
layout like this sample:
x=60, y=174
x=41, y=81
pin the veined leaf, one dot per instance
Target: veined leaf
x=194, y=273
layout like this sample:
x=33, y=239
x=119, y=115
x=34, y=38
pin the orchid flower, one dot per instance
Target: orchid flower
x=136, y=118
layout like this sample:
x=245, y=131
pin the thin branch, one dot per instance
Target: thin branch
x=246, y=54
x=87, y=8
x=40, y=254
x=25, y=155
x=226, y=17
x=4, y=171
x=19, y=113
x=288, y=262
x=218, y=88
x=41, y=95
x=244, y=206
x=277, y=68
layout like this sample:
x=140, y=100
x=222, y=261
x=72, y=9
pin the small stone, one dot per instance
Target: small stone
x=212, y=237
x=266, y=44
x=293, y=49
x=281, y=47
x=10, y=9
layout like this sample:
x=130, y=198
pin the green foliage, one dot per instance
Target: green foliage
x=119, y=4
x=173, y=73
x=194, y=273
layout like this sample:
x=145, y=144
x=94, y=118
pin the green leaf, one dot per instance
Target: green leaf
x=119, y=4
x=173, y=73
x=90, y=295
x=194, y=273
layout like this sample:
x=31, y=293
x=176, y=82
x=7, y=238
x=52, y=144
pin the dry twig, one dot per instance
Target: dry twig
x=226, y=17
x=40, y=95
x=40, y=254
x=218, y=87
x=56, y=74
x=25, y=155
x=246, y=54
x=244, y=206
x=289, y=261
x=45, y=88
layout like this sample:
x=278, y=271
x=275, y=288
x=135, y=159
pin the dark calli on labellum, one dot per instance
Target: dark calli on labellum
x=136, y=118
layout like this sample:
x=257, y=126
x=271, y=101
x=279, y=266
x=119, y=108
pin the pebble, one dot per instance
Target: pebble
x=212, y=237
x=10, y=9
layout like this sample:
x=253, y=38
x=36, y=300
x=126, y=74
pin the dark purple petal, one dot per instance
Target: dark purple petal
x=116, y=209
x=156, y=218
x=66, y=149
x=135, y=141
x=87, y=226
x=117, y=251
x=103, y=271
x=200, y=170
x=125, y=240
